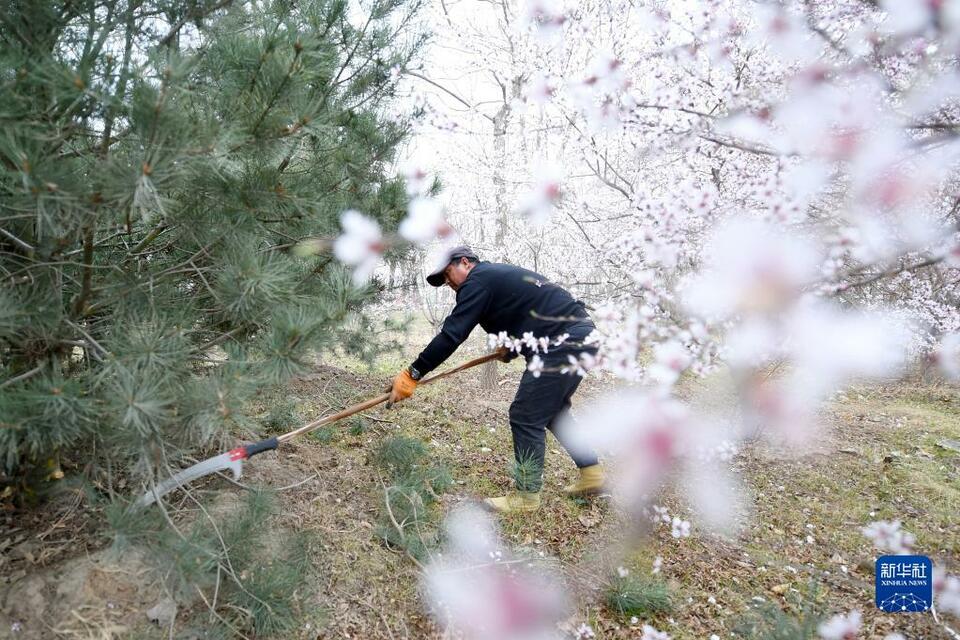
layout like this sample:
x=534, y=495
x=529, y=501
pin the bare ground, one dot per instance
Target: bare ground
x=887, y=456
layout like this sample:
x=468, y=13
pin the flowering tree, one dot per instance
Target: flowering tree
x=738, y=183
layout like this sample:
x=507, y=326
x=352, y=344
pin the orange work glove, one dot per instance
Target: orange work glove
x=403, y=387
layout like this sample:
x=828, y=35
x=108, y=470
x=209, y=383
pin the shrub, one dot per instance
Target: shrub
x=633, y=595
x=770, y=622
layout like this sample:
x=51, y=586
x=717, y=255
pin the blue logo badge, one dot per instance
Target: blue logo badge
x=904, y=583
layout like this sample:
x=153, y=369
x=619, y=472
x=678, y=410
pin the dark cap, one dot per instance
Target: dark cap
x=435, y=277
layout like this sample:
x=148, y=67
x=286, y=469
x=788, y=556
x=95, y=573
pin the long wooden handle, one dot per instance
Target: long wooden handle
x=372, y=402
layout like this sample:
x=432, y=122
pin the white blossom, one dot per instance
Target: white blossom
x=947, y=355
x=946, y=592
x=680, y=528
x=360, y=245
x=478, y=591
x=538, y=204
x=425, y=221
x=540, y=89
x=907, y=16
x=888, y=536
x=841, y=627
x=535, y=366
x=657, y=564
x=650, y=633
x=546, y=17
x=417, y=181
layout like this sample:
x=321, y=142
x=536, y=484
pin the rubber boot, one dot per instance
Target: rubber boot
x=591, y=481
x=514, y=502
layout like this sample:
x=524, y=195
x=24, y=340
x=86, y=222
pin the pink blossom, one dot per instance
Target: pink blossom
x=680, y=528
x=538, y=204
x=841, y=627
x=479, y=590
x=585, y=632
x=717, y=500
x=546, y=17
x=540, y=89
x=650, y=633
x=670, y=360
x=946, y=592
x=784, y=31
x=425, y=221
x=647, y=433
x=950, y=15
x=753, y=268
x=417, y=181
x=830, y=346
x=605, y=73
x=947, y=355
x=887, y=536
x=907, y=16
x=581, y=365
x=360, y=245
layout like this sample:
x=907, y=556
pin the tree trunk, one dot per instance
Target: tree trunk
x=488, y=376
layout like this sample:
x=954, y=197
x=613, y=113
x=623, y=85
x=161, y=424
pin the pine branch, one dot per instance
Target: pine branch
x=24, y=376
x=191, y=15
x=268, y=49
x=150, y=237
x=17, y=241
x=298, y=49
x=87, y=279
x=220, y=339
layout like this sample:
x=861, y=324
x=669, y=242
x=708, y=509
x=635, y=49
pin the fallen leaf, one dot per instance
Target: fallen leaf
x=588, y=521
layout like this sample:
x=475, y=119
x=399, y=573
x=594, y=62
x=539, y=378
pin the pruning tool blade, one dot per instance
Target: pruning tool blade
x=232, y=460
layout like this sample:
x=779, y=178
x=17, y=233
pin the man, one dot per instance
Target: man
x=504, y=298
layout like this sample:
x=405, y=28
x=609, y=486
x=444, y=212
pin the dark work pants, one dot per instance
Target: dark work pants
x=541, y=403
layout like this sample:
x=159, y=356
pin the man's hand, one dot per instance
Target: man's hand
x=402, y=388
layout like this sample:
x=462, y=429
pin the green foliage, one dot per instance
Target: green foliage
x=408, y=522
x=270, y=590
x=770, y=622
x=152, y=181
x=527, y=473
x=633, y=595
x=282, y=415
x=47, y=412
x=262, y=575
x=400, y=456
x=357, y=426
x=324, y=435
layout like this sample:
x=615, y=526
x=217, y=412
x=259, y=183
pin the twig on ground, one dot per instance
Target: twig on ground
x=936, y=618
x=297, y=484
x=218, y=616
x=393, y=519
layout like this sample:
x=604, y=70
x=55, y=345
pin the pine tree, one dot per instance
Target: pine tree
x=158, y=159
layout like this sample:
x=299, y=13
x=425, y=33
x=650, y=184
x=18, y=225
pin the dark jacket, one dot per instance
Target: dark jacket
x=501, y=297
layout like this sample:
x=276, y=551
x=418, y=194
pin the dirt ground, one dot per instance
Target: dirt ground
x=888, y=455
